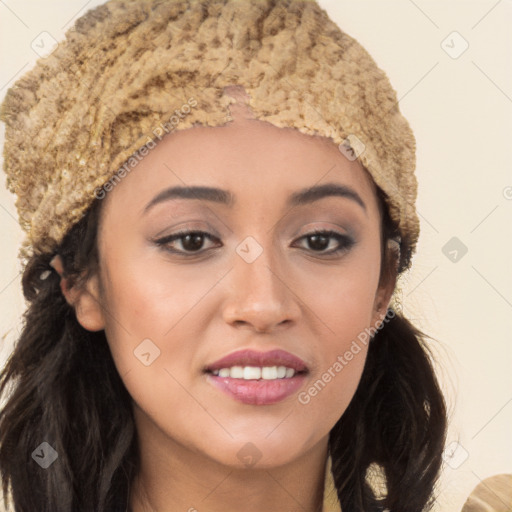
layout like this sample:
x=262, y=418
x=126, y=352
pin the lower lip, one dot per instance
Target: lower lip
x=258, y=392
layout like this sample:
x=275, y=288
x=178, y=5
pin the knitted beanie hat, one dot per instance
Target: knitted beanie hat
x=130, y=71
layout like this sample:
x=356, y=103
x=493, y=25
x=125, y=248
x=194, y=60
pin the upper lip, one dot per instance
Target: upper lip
x=253, y=358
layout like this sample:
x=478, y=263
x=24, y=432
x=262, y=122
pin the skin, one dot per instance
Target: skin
x=200, y=309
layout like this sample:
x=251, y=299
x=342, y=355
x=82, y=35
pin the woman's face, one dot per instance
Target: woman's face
x=262, y=282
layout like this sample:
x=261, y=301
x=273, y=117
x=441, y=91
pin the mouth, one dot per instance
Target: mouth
x=258, y=378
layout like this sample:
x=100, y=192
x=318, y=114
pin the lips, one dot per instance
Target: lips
x=262, y=359
x=268, y=389
x=258, y=392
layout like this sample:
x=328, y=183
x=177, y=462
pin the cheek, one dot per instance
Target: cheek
x=343, y=302
x=154, y=332
x=147, y=302
x=343, y=295
x=328, y=395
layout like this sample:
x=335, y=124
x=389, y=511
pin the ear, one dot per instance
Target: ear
x=86, y=300
x=387, y=284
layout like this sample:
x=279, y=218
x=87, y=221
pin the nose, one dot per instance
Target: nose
x=260, y=295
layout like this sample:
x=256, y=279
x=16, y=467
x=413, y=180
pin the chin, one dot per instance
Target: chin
x=258, y=453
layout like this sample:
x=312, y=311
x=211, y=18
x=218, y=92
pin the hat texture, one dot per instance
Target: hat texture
x=129, y=72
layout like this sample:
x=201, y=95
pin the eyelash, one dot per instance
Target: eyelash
x=345, y=241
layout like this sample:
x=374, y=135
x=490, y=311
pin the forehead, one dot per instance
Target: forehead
x=253, y=159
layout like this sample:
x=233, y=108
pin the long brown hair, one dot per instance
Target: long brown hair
x=66, y=391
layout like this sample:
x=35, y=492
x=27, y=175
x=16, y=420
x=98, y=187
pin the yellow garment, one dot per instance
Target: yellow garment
x=494, y=494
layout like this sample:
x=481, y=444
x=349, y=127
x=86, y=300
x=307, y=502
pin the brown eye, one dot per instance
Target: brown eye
x=191, y=241
x=319, y=241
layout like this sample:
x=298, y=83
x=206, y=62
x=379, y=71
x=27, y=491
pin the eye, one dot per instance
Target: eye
x=319, y=240
x=193, y=241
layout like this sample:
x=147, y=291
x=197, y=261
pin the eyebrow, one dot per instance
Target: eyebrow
x=225, y=197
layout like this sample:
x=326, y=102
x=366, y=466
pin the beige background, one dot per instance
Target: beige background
x=460, y=108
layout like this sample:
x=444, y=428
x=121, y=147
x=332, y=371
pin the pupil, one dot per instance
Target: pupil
x=315, y=239
x=196, y=244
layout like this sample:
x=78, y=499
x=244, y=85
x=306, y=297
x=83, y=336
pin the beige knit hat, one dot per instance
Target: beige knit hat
x=132, y=70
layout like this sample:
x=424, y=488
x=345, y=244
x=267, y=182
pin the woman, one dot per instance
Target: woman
x=218, y=198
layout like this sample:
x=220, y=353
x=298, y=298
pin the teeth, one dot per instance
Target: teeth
x=237, y=372
x=252, y=372
x=269, y=372
x=256, y=372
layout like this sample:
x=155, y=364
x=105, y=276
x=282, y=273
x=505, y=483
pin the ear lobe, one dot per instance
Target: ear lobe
x=86, y=300
x=382, y=300
x=88, y=307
